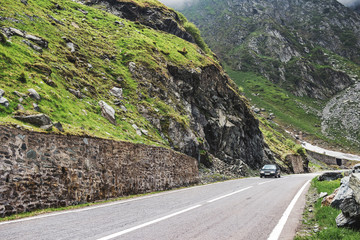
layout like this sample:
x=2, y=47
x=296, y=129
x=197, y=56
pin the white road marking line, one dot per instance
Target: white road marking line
x=147, y=224
x=96, y=206
x=266, y=182
x=275, y=234
x=227, y=195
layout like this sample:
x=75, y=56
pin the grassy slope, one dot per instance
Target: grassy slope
x=288, y=109
x=325, y=216
x=105, y=45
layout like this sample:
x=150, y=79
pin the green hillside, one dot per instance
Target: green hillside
x=97, y=59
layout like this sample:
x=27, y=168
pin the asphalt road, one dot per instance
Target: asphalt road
x=248, y=209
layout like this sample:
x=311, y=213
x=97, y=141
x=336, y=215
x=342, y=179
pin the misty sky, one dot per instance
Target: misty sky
x=179, y=3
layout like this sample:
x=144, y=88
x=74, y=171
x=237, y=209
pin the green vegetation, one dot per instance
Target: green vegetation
x=324, y=217
x=103, y=51
x=285, y=106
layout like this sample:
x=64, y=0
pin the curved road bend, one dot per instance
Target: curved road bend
x=239, y=209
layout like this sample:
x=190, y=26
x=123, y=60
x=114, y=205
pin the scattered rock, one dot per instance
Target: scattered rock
x=39, y=41
x=49, y=82
x=256, y=110
x=76, y=93
x=20, y=107
x=116, y=92
x=108, y=112
x=145, y=132
x=132, y=67
x=24, y=2
x=59, y=126
x=33, y=46
x=323, y=194
x=119, y=23
x=329, y=199
x=123, y=108
x=47, y=127
x=138, y=131
x=36, y=107
x=37, y=120
x=83, y=11
x=34, y=94
x=4, y=102
x=330, y=176
x=3, y=38
x=55, y=20
x=19, y=94
x=2, y=92
x=14, y=31
x=71, y=46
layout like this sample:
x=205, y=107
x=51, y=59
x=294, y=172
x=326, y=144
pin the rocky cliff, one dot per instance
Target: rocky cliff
x=123, y=70
x=304, y=49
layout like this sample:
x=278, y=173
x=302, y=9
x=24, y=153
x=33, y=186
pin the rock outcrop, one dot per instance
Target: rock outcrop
x=159, y=18
x=221, y=122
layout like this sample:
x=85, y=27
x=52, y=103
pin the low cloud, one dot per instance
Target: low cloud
x=350, y=3
x=177, y=4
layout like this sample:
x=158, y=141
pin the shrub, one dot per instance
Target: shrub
x=195, y=32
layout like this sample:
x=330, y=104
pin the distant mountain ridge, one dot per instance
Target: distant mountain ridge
x=309, y=48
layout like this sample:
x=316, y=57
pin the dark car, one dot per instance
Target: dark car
x=270, y=170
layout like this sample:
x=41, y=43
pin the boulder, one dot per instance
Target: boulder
x=76, y=93
x=4, y=102
x=343, y=192
x=20, y=107
x=2, y=92
x=108, y=112
x=116, y=92
x=327, y=200
x=34, y=94
x=342, y=221
x=330, y=176
x=354, y=184
x=323, y=194
x=59, y=126
x=36, y=107
x=350, y=207
x=37, y=120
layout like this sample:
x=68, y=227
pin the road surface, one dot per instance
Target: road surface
x=327, y=152
x=250, y=208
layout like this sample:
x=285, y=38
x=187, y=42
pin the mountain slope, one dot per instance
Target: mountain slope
x=102, y=75
x=306, y=52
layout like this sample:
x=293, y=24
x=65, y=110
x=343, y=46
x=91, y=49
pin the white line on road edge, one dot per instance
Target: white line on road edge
x=227, y=195
x=275, y=234
x=148, y=223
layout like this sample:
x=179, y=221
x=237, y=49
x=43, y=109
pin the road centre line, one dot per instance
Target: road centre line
x=227, y=195
x=98, y=206
x=147, y=223
x=275, y=234
x=266, y=182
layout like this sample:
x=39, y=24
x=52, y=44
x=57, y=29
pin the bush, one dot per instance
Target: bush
x=195, y=32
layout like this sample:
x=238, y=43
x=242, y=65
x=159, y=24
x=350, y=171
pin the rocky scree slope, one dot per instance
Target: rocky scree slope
x=85, y=71
x=306, y=51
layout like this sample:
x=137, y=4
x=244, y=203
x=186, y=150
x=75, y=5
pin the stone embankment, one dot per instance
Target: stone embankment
x=39, y=170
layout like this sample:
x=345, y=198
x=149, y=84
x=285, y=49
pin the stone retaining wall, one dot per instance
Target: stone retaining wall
x=40, y=170
x=327, y=159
